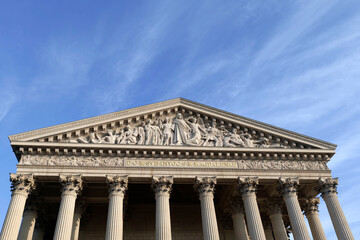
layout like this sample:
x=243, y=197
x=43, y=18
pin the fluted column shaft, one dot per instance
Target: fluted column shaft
x=27, y=225
x=315, y=226
x=65, y=216
x=208, y=216
x=114, y=227
x=117, y=187
x=76, y=226
x=13, y=217
x=311, y=207
x=22, y=185
x=71, y=187
x=289, y=189
x=247, y=189
x=240, y=229
x=162, y=188
x=328, y=189
x=278, y=225
x=206, y=187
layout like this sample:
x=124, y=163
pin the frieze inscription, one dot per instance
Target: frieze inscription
x=181, y=164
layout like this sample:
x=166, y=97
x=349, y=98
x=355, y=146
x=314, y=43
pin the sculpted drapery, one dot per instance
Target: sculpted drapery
x=193, y=131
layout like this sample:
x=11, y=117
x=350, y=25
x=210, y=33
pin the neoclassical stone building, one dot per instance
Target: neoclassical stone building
x=170, y=170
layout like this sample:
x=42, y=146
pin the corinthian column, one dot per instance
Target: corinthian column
x=206, y=188
x=288, y=189
x=238, y=217
x=328, y=192
x=310, y=207
x=72, y=185
x=276, y=219
x=117, y=188
x=28, y=223
x=21, y=186
x=247, y=189
x=162, y=188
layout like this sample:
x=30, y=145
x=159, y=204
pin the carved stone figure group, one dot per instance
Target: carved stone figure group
x=190, y=131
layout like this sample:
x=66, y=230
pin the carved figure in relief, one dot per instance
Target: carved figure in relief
x=263, y=141
x=158, y=132
x=181, y=130
x=213, y=136
x=109, y=137
x=81, y=140
x=130, y=136
x=223, y=132
x=185, y=131
x=141, y=134
x=167, y=131
x=232, y=139
x=196, y=128
x=120, y=139
x=94, y=138
x=247, y=138
x=150, y=133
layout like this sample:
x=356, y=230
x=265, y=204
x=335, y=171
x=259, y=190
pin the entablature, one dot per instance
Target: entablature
x=184, y=152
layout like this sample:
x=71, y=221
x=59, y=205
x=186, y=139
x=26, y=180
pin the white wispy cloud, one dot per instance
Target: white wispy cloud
x=9, y=95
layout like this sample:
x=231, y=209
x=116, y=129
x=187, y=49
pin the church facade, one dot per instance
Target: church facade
x=171, y=170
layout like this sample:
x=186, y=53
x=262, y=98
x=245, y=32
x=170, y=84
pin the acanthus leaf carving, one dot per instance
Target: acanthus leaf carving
x=22, y=183
x=162, y=184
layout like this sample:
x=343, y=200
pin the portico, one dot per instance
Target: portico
x=195, y=173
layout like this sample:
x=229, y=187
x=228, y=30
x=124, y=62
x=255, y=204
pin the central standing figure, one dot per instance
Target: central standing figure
x=181, y=130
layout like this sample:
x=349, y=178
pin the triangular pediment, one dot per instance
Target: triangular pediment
x=176, y=122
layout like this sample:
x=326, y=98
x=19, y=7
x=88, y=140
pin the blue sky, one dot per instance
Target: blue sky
x=293, y=64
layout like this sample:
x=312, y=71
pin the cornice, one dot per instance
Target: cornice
x=135, y=113
x=93, y=120
x=260, y=125
x=86, y=149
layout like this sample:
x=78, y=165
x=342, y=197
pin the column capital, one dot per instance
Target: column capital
x=247, y=185
x=205, y=185
x=328, y=186
x=117, y=184
x=288, y=185
x=162, y=184
x=22, y=183
x=310, y=205
x=72, y=184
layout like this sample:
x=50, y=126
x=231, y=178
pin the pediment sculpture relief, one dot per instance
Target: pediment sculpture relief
x=181, y=131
